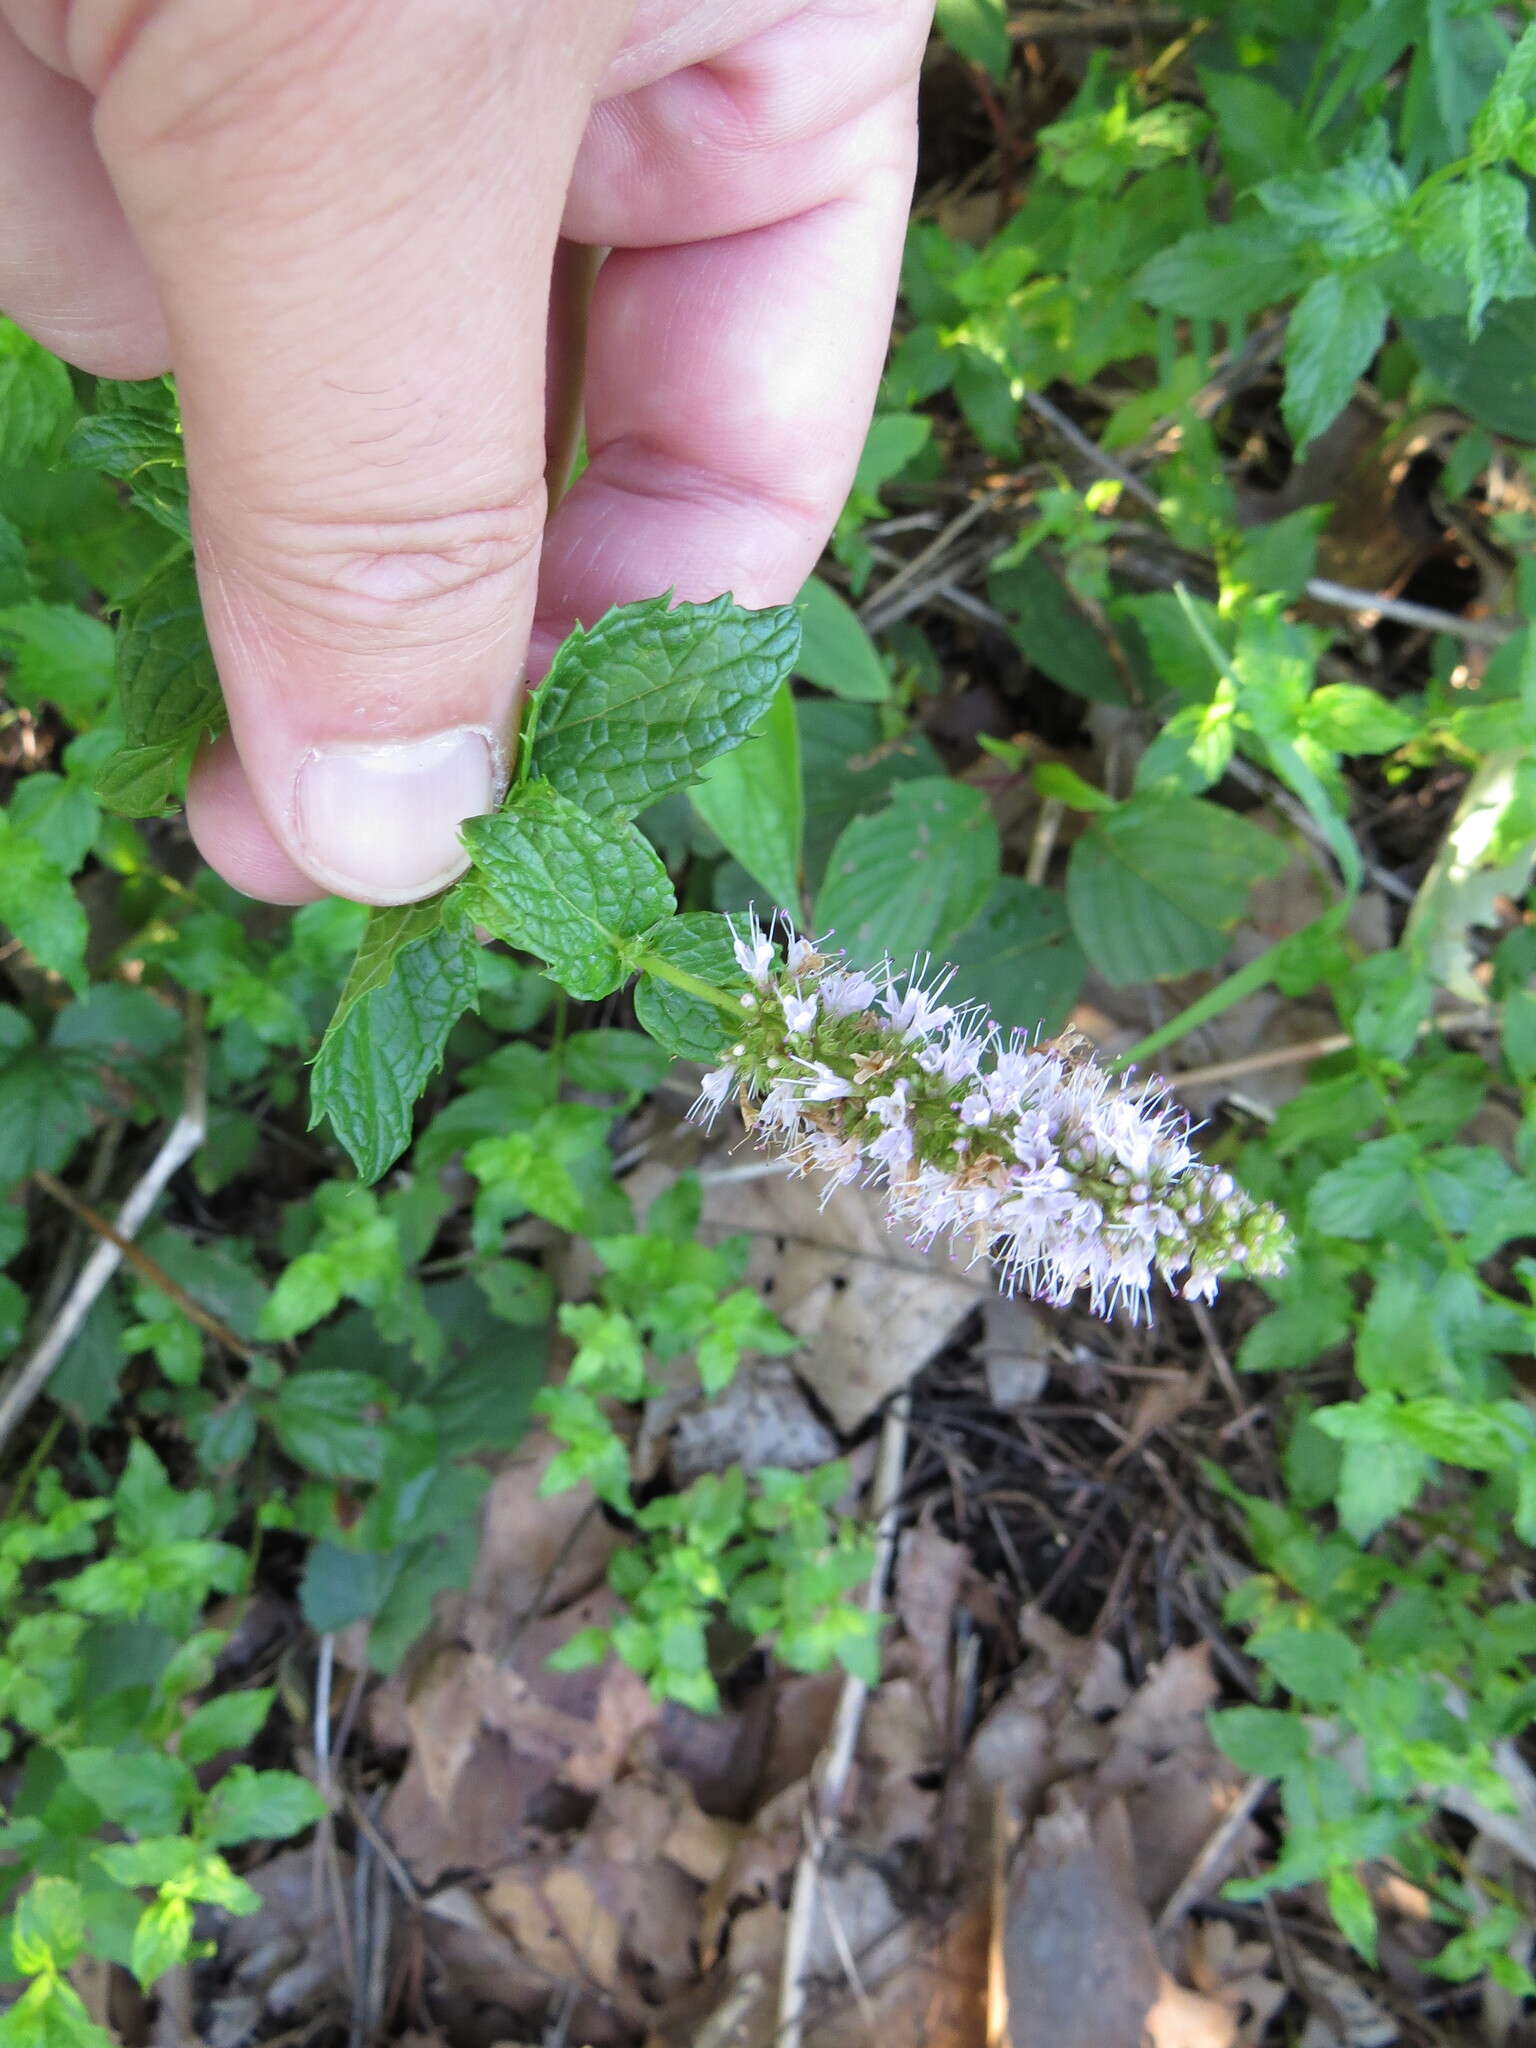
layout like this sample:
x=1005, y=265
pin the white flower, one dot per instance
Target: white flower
x=845, y=995
x=754, y=953
x=799, y=1012
x=714, y=1092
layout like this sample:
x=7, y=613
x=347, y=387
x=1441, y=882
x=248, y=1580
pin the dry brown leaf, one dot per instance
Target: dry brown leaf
x=871, y=1309
x=1079, y=1963
x=1187, y=2019
x=285, y=1959
x=536, y=1554
x=762, y=1418
x=926, y=1988
x=1241, y=1975
x=1344, y=2014
x=930, y=1573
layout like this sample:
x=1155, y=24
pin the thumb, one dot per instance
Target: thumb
x=350, y=211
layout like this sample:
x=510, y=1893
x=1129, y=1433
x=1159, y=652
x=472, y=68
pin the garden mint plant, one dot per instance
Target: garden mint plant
x=1070, y=1178
x=1028, y=1153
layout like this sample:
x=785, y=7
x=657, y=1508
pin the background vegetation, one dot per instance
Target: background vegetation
x=1181, y=610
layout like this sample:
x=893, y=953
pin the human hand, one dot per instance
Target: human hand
x=337, y=221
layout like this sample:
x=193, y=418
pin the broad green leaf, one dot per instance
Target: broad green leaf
x=907, y=881
x=699, y=942
x=1262, y=1741
x=142, y=782
x=47, y=1100
x=1154, y=887
x=48, y=1930
x=1018, y=956
x=38, y=903
x=1314, y=1664
x=232, y=1721
x=57, y=815
x=1353, y=211
x=1350, y=1904
x=849, y=767
x=612, y=1062
x=135, y=435
x=1219, y=273
x=1492, y=379
x=1347, y=718
x=144, y=1791
x=542, y=1167
x=162, y=1938
x=1260, y=131
x=333, y=1422
x=835, y=651
x=752, y=801
x=413, y=979
x=37, y=400
x=1376, y=1482
x=58, y=656
x=1372, y=1190
x=167, y=686
x=1507, y=114
x=1051, y=632
x=1334, y=333
x=978, y=29
x=15, y=573
x=252, y=1806
x=576, y=891
x=1479, y=229
x=638, y=704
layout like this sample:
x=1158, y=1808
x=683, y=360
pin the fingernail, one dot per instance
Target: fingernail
x=382, y=822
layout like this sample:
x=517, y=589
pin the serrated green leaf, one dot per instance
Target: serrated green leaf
x=699, y=942
x=58, y=656
x=1050, y=631
x=836, y=653
x=414, y=977
x=909, y=879
x=1018, y=955
x=1219, y=273
x=142, y=782
x=57, y=815
x=232, y=1721
x=145, y=1791
x=753, y=801
x=161, y=1939
x=978, y=29
x=167, y=686
x=1508, y=110
x=37, y=400
x=1261, y=1740
x=135, y=435
x=1335, y=331
x=1372, y=1190
x=1376, y=1482
x=572, y=889
x=1347, y=718
x=638, y=704
x=333, y=1422
x=38, y=903
x=48, y=1931
x=1154, y=887
x=251, y=1806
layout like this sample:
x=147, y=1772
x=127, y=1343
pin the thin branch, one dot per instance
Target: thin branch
x=1213, y=1854
x=1310, y=1049
x=873, y=612
x=181, y=1141
x=1031, y=23
x=1405, y=612
x=829, y=1780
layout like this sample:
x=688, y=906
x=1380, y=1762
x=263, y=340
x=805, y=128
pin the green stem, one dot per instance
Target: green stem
x=690, y=984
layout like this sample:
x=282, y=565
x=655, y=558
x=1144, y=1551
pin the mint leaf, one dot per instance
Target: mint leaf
x=232, y=1721
x=167, y=686
x=1335, y=331
x=574, y=890
x=59, y=816
x=37, y=400
x=754, y=803
x=1219, y=273
x=413, y=978
x=638, y=704
x=135, y=436
x=39, y=904
x=835, y=651
x=59, y=656
x=1154, y=887
x=331, y=1422
x=907, y=880
x=694, y=1029
x=1372, y=1190
x=1018, y=955
x=143, y=1790
x=1510, y=108
x=1376, y=1482
x=249, y=1806
x=978, y=29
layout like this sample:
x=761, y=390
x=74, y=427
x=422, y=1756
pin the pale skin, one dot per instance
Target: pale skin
x=336, y=220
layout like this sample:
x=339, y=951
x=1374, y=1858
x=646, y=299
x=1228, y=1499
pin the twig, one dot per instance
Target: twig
x=1480, y=632
x=148, y=1268
x=1317, y=1048
x=1088, y=448
x=1192, y=1885
x=325, y=1667
x=181, y=1141
x=829, y=1779
x=872, y=611
x=1041, y=847
x=1030, y=23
